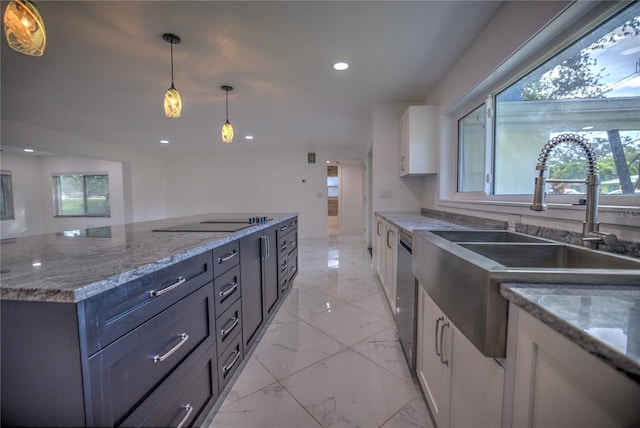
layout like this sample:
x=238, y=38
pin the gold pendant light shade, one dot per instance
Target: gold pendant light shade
x=172, y=99
x=172, y=103
x=24, y=28
x=227, y=133
x=227, y=129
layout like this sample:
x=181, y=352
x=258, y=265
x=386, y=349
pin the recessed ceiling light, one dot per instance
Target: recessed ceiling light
x=164, y=141
x=36, y=264
x=340, y=66
x=248, y=137
x=28, y=150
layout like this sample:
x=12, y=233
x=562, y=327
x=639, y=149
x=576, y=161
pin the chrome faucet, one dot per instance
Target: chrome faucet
x=591, y=235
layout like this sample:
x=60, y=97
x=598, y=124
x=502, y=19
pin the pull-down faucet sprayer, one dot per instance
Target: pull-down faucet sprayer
x=591, y=236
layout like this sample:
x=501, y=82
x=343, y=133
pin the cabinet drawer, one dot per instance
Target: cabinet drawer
x=227, y=325
x=229, y=361
x=114, y=313
x=292, y=263
x=126, y=371
x=284, y=284
x=227, y=289
x=283, y=244
x=292, y=238
x=185, y=397
x=287, y=225
x=226, y=257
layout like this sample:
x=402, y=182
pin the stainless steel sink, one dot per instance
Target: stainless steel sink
x=464, y=278
x=552, y=256
x=486, y=236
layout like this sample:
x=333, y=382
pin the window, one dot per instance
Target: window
x=471, y=152
x=590, y=88
x=6, y=196
x=81, y=195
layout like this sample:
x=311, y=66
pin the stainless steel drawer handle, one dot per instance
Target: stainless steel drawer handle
x=159, y=358
x=283, y=246
x=283, y=228
x=283, y=266
x=285, y=285
x=225, y=369
x=227, y=256
x=188, y=408
x=232, y=287
x=180, y=280
x=442, y=357
x=438, y=321
x=234, y=322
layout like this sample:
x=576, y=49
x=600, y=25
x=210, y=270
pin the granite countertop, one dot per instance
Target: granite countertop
x=604, y=320
x=410, y=221
x=71, y=266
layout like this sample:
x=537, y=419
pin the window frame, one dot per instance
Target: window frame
x=7, y=196
x=84, y=175
x=543, y=53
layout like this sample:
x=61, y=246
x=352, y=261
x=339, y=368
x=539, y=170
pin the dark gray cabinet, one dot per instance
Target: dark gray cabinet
x=258, y=269
x=102, y=361
x=157, y=351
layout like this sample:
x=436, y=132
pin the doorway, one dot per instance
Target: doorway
x=333, y=194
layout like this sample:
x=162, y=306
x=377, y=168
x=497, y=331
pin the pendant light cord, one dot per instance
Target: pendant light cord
x=171, y=43
x=227, y=103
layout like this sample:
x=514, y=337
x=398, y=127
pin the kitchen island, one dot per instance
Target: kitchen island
x=133, y=324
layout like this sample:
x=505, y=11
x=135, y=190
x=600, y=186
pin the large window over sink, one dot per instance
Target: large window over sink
x=590, y=87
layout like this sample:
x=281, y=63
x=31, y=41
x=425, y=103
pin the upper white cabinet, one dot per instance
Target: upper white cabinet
x=418, y=141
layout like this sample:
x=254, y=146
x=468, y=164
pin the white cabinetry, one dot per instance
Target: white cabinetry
x=463, y=388
x=386, y=258
x=418, y=141
x=556, y=383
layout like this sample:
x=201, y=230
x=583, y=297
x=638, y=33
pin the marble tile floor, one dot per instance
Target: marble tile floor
x=330, y=356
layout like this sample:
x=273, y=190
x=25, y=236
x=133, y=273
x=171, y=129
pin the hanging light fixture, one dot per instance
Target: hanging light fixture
x=24, y=28
x=227, y=129
x=172, y=99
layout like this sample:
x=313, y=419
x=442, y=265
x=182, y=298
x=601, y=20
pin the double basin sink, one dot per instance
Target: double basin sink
x=462, y=271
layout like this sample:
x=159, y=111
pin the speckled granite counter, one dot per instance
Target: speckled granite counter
x=74, y=265
x=604, y=320
x=410, y=221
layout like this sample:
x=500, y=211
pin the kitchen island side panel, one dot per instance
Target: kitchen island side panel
x=41, y=365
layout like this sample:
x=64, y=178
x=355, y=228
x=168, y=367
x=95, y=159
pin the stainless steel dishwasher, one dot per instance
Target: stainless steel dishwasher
x=406, y=293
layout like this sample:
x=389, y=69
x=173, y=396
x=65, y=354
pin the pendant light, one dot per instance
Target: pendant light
x=227, y=129
x=172, y=99
x=24, y=28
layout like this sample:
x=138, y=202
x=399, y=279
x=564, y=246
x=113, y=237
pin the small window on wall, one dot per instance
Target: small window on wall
x=6, y=196
x=471, y=151
x=81, y=195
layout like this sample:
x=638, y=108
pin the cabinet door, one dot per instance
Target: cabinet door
x=252, y=292
x=391, y=262
x=270, y=269
x=433, y=358
x=558, y=383
x=379, y=236
x=477, y=384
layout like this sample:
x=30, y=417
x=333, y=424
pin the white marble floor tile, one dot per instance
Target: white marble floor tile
x=385, y=350
x=253, y=378
x=413, y=415
x=348, y=324
x=347, y=390
x=271, y=407
x=348, y=290
x=305, y=302
x=287, y=348
x=376, y=304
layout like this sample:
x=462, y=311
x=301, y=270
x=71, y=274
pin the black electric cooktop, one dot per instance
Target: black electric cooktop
x=205, y=227
x=216, y=225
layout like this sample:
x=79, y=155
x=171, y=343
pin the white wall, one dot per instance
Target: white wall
x=351, y=209
x=405, y=193
x=27, y=197
x=144, y=182
x=256, y=182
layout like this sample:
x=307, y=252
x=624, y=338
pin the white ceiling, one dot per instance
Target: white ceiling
x=106, y=68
